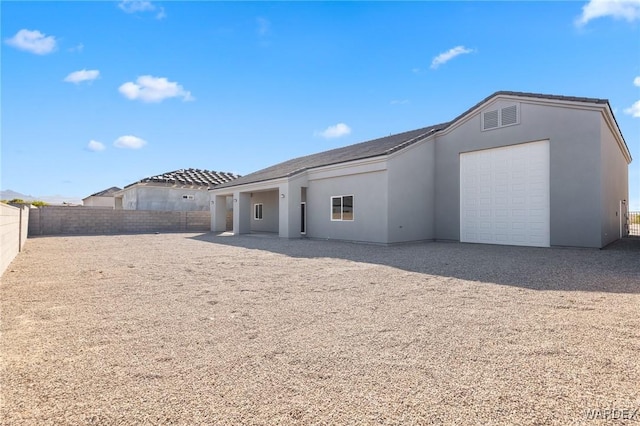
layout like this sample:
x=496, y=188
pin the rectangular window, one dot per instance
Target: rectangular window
x=342, y=207
x=336, y=208
x=257, y=211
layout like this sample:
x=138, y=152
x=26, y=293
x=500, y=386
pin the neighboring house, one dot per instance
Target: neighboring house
x=180, y=190
x=102, y=199
x=517, y=168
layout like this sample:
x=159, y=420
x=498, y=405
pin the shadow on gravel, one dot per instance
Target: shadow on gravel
x=626, y=244
x=615, y=269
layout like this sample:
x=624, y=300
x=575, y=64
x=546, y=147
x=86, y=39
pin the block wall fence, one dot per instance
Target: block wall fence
x=13, y=232
x=60, y=220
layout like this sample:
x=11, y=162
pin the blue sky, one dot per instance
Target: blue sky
x=101, y=94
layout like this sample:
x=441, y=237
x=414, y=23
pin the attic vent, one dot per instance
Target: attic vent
x=509, y=115
x=506, y=116
x=490, y=120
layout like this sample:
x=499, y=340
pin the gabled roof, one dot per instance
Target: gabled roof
x=385, y=145
x=532, y=95
x=106, y=193
x=193, y=177
x=369, y=149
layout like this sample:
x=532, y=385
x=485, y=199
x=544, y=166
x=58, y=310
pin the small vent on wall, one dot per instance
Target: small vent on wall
x=188, y=197
x=506, y=116
x=509, y=115
x=490, y=120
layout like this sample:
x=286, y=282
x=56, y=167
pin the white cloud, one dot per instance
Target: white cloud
x=264, y=26
x=32, y=41
x=129, y=142
x=634, y=110
x=154, y=89
x=336, y=131
x=95, y=146
x=77, y=48
x=636, y=81
x=161, y=13
x=617, y=9
x=445, y=57
x=135, y=6
x=82, y=75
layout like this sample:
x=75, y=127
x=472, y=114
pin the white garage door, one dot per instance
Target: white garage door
x=504, y=195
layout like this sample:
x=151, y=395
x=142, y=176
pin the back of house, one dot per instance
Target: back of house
x=516, y=169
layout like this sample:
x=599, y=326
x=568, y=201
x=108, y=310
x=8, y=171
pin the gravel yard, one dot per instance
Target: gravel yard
x=204, y=329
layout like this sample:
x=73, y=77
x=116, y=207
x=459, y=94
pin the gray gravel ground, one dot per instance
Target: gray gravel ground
x=201, y=329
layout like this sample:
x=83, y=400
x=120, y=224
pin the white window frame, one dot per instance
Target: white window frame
x=303, y=218
x=342, y=219
x=257, y=216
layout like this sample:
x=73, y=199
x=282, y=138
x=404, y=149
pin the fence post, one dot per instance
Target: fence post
x=633, y=222
x=20, y=229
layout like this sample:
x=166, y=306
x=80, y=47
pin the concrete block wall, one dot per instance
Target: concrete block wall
x=14, y=222
x=58, y=220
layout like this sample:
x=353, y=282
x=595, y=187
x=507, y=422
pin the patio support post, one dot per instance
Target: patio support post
x=218, y=213
x=241, y=213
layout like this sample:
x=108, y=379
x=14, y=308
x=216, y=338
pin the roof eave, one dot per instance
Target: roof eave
x=611, y=121
x=297, y=172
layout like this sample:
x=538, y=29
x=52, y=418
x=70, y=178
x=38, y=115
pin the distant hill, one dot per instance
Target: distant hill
x=9, y=194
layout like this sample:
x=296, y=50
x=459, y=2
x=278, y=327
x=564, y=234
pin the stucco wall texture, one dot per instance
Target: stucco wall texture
x=413, y=194
x=164, y=198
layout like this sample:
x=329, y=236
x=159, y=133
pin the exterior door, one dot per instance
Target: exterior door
x=303, y=218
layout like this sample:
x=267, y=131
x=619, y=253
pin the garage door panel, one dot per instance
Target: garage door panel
x=501, y=227
x=502, y=176
x=518, y=227
x=518, y=176
x=538, y=199
x=485, y=237
x=538, y=215
x=538, y=227
x=538, y=190
x=504, y=195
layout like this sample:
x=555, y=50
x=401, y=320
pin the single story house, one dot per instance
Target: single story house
x=104, y=198
x=516, y=169
x=179, y=190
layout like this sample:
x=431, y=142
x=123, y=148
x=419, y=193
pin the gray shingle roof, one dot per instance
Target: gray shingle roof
x=106, y=193
x=193, y=177
x=378, y=147
x=369, y=149
x=533, y=95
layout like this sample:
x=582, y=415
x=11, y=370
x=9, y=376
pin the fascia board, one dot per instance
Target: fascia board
x=251, y=187
x=374, y=164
